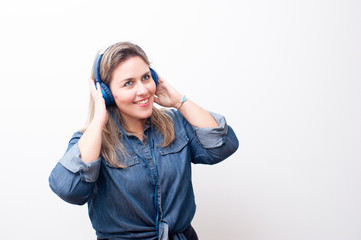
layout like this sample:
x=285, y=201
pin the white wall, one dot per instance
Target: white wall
x=286, y=74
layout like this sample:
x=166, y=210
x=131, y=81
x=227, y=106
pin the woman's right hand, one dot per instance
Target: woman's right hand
x=100, y=111
x=91, y=141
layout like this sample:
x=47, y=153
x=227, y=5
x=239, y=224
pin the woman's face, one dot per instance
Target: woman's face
x=133, y=89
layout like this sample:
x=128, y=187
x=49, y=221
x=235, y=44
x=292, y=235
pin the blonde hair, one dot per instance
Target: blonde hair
x=161, y=120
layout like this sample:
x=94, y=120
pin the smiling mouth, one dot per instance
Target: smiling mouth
x=142, y=102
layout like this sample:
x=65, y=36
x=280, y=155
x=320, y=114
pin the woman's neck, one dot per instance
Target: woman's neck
x=135, y=127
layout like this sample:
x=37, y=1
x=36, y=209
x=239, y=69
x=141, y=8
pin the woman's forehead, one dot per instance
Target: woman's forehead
x=133, y=67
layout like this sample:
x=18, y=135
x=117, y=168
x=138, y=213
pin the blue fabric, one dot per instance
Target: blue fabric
x=120, y=200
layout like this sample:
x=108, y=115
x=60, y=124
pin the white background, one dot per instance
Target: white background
x=286, y=74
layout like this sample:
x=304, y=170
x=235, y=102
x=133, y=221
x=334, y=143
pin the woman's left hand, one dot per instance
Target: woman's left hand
x=166, y=95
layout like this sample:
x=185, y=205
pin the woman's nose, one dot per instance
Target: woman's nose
x=141, y=88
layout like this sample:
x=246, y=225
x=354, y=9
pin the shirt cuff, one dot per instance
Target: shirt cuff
x=72, y=161
x=213, y=137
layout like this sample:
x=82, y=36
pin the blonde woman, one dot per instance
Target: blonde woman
x=132, y=162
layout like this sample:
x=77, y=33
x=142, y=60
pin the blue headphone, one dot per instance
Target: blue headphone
x=107, y=94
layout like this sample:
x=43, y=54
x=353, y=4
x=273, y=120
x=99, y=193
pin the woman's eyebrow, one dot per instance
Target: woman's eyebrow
x=146, y=73
x=127, y=79
x=133, y=78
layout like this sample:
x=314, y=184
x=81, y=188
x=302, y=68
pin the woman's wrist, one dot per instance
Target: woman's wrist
x=180, y=103
x=98, y=123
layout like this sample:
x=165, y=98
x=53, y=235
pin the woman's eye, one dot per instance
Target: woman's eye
x=146, y=77
x=128, y=83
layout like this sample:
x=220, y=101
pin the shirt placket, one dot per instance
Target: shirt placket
x=145, y=150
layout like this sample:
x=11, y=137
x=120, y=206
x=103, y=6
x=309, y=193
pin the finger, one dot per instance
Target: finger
x=95, y=89
x=158, y=91
x=92, y=86
x=156, y=100
x=98, y=89
x=91, y=82
x=160, y=79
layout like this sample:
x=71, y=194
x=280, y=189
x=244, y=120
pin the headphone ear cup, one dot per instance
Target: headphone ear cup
x=154, y=76
x=107, y=94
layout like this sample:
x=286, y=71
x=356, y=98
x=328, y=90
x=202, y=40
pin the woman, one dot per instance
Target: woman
x=132, y=163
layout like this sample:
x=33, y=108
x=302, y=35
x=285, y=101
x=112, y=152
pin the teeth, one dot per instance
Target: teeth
x=143, y=102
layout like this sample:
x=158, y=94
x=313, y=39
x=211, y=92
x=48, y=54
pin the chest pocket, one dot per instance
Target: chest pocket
x=128, y=160
x=177, y=145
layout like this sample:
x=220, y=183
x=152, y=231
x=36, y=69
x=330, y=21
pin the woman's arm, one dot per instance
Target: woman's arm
x=168, y=96
x=72, y=179
x=208, y=145
x=211, y=139
x=196, y=115
x=91, y=141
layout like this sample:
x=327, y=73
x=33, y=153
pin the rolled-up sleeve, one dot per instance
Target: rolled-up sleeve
x=72, y=179
x=211, y=145
x=72, y=161
x=213, y=137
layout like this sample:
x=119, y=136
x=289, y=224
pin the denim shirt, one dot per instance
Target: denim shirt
x=144, y=200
